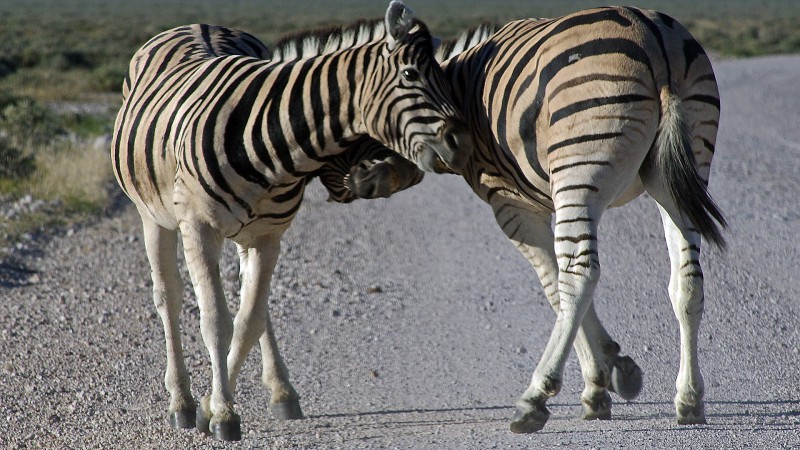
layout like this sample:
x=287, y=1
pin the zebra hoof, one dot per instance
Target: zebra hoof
x=598, y=407
x=626, y=378
x=286, y=410
x=182, y=420
x=690, y=414
x=529, y=417
x=203, y=417
x=230, y=430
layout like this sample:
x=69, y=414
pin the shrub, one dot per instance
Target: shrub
x=87, y=125
x=7, y=67
x=70, y=59
x=27, y=124
x=14, y=164
x=108, y=77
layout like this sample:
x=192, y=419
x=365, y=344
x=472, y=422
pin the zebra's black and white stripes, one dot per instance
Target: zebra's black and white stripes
x=216, y=141
x=369, y=170
x=572, y=116
x=465, y=41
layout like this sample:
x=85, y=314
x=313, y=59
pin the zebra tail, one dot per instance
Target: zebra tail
x=676, y=166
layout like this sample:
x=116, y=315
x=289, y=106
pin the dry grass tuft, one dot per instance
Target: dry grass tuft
x=77, y=174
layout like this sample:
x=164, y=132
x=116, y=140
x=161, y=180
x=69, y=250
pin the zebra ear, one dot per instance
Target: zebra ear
x=399, y=19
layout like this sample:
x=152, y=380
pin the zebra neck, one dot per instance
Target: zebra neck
x=352, y=96
x=468, y=81
x=326, y=94
x=461, y=76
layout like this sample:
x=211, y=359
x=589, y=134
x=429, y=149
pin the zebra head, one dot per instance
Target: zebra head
x=407, y=103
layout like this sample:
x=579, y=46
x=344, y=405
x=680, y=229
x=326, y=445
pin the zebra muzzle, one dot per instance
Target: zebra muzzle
x=451, y=150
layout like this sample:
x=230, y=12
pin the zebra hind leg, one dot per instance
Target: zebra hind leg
x=597, y=352
x=578, y=274
x=602, y=367
x=686, y=295
x=202, y=245
x=161, y=246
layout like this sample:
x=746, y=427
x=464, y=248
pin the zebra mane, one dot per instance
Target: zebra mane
x=465, y=41
x=307, y=44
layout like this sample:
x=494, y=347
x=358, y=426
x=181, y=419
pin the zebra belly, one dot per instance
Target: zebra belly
x=148, y=181
x=252, y=212
x=160, y=212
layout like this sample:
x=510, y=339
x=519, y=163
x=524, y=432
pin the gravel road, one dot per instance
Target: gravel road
x=412, y=323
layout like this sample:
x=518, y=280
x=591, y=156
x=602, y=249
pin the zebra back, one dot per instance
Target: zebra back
x=181, y=45
x=465, y=41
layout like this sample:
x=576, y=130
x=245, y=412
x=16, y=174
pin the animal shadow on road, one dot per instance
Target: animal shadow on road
x=396, y=412
x=734, y=415
x=373, y=425
x=630, y=417
x=16, y=274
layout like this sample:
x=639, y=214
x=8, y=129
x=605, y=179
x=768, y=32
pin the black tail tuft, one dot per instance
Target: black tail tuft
x=676, y=164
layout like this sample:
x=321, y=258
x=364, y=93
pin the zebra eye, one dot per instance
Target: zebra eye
x=410, y=75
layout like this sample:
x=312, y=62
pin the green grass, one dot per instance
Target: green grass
x=56, y=51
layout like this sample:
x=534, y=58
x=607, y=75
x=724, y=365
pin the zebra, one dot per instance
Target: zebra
x=217, y=137
x=571, y=116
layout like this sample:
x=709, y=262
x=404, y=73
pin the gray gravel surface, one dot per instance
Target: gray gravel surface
x=412, y=323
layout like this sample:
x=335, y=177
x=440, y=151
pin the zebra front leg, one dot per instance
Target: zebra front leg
x=686, y=294
x=284, y=401
x=626, y=376
x=380, y=178
x=161, y=245
x=202, y=245
x=578, y=274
